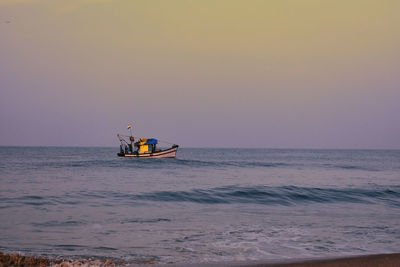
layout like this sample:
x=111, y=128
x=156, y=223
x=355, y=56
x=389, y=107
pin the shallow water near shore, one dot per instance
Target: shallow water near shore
x=207, y=205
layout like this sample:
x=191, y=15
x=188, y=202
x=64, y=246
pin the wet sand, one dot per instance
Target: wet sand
x=380, y=260
x=384, y=260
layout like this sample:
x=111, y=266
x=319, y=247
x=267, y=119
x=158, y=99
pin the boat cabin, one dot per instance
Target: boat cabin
x=146, y=145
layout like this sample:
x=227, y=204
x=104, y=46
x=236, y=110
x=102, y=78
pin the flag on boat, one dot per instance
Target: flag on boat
x=129, y=126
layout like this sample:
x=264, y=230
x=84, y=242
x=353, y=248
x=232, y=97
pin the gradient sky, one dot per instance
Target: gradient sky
x=206, y=73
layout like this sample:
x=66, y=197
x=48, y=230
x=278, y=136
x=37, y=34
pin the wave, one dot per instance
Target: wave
x=285, y=195
x=350, y=167
x=54, y=223
x=244, y=164
x=158, y=163
x=191, y=163
x=262, y=195
x=139, y=220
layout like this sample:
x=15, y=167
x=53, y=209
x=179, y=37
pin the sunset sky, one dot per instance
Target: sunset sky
x=205, y=73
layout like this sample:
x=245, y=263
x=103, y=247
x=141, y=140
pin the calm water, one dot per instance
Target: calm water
x=206, y=205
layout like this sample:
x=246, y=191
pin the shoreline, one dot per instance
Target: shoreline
x=374, y=260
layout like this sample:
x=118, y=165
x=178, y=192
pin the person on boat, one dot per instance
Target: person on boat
x=130, y=148
x=136, y=146
x=132, y=139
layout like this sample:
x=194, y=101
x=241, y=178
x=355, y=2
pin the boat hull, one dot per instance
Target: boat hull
x=167, y=153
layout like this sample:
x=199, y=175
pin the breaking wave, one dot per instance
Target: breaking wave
x=262, y=195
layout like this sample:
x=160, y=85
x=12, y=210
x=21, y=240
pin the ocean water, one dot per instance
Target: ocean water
x=207, y=205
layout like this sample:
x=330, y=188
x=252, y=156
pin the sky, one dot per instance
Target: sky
x=201, y=73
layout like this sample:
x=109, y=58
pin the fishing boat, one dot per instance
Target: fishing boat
x=143, y=147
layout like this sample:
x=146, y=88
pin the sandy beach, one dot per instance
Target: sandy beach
x=379, y=260
x=384, y=260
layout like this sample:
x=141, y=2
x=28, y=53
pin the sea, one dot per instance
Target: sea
x=204, y=206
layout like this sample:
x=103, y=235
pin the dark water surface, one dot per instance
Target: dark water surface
x=206, y=205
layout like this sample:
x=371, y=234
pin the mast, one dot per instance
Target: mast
x=131, y=138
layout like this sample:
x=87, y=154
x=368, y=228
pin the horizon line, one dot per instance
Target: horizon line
x=193, y=147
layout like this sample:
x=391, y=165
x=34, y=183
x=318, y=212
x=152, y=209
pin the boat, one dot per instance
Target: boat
x=143, y=147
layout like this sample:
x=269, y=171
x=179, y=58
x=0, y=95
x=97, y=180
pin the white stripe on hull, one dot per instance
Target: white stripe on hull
x=168, y=153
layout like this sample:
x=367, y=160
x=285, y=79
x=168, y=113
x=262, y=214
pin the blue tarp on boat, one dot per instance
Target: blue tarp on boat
x=151, y=141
